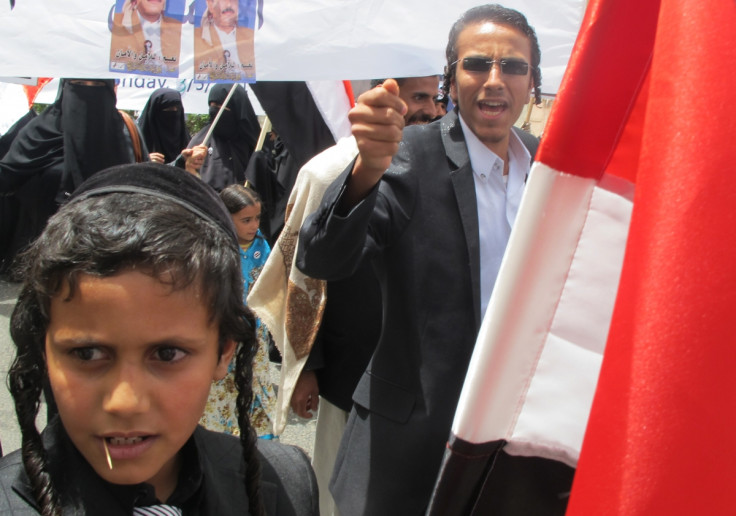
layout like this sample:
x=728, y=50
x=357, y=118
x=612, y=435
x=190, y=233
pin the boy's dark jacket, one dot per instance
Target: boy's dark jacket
x=214, y=462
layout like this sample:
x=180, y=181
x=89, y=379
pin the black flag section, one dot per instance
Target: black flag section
x=295, y=118
x=482, y=479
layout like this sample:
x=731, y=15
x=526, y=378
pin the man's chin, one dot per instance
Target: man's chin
x=419, y=119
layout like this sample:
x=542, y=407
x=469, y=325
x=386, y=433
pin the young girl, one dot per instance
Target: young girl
x=131, y=306
x=244, y=206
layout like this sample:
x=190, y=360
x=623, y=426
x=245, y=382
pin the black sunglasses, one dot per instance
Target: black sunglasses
x=484, y=64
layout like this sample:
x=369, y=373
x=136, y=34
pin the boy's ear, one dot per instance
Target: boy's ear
x=227, y=354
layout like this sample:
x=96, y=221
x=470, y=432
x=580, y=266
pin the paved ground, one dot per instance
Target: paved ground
x=9, y=433
x=298, y=431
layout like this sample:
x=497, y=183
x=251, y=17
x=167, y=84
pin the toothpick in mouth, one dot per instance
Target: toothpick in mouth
x=107, y=453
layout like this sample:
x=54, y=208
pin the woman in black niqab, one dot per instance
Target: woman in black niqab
x=163, y=125
x=233, y=139
x=76, y=136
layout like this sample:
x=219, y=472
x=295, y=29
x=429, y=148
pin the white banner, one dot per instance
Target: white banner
x=294, y=40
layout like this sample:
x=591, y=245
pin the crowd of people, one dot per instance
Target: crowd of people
x=156, y=278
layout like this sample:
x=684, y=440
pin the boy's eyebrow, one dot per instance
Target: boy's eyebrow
x=74, y=340
x=83, y=341
x=175, y=341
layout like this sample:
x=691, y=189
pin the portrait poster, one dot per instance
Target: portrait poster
x=146, y=37
x=224, y=41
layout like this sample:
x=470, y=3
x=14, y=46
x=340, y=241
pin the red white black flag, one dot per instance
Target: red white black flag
x=639, y=125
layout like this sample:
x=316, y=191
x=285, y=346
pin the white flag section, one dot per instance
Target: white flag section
x=333, y=104
x=294, y=39
x=549, y=312
x=13, y=105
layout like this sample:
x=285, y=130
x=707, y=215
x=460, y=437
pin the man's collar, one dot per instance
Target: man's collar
x=482, y=158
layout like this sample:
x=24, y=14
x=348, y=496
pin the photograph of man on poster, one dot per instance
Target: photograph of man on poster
x=145, y=39
x=223, y=41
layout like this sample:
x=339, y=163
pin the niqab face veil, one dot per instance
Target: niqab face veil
x=233, y=139
x=92, y=129
x=76, y=136
x=164, y=130
x=243, y=120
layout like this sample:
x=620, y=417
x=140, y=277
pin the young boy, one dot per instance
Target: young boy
x=132, y=305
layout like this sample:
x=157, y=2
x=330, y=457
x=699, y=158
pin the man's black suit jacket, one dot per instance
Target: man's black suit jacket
x=420, y=227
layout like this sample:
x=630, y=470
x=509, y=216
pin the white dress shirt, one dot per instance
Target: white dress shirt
x=498, y=199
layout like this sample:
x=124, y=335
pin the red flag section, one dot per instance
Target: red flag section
x=607, y=69
x=349, y=92
x=660, y=438
x=32, y=91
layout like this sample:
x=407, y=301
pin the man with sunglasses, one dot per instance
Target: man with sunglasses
x=432, y=208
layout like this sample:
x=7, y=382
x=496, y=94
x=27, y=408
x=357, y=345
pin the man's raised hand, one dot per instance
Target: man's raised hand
x=377, y=122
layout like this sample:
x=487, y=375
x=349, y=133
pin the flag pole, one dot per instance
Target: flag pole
x=259, y=145
x=219, y=114
x=264, y=131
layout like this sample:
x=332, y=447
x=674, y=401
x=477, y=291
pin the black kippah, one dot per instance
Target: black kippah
x=165, y=182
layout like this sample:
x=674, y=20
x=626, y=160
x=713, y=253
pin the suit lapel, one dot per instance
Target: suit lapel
x=462, y=181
